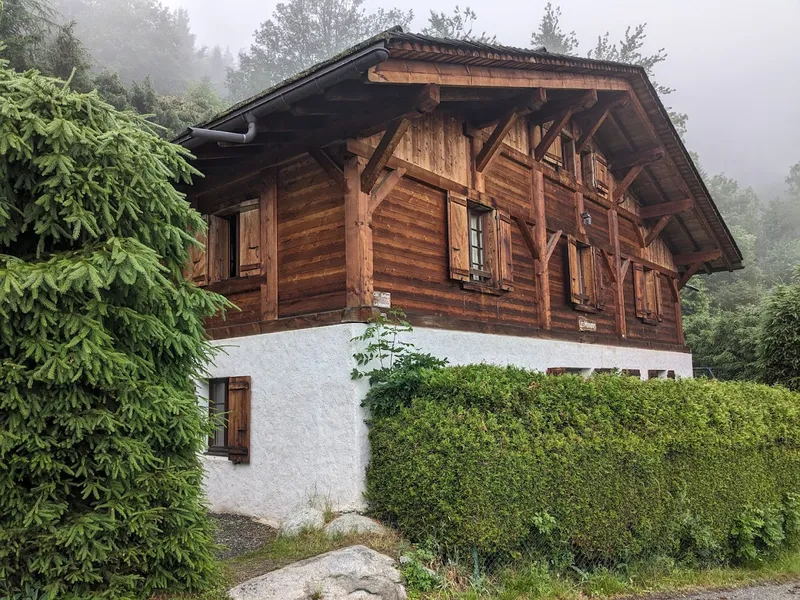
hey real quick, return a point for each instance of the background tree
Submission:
(457, 26)
(550, 34)
(24, 29)
(302, 33)
(101, 339)
(780, 340)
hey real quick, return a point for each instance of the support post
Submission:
(540, 239)
(268, 210)
(358, 236)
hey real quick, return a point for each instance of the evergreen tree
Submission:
(101, 339)
(457, 26)
(780, 351)
(302, 33)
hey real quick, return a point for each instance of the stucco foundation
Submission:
(307, 432)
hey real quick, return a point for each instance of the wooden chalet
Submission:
(515, 194)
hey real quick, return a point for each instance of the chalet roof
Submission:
(673, 179)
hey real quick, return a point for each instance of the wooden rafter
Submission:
(594, 118)
(639, 235)
(622, 187)
(384, 189)
(327, 164)
(693, 257)
(656, 231)
(666, 208)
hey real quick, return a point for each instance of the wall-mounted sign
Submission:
(381, 300)
(585, 324)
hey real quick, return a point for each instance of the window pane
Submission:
(216, 406)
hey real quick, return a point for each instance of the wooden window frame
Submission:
(496, 276)
(236, 422)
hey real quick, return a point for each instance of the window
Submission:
(217, 412)
(481, 252)
(568, 152)
(229, 409)
(232, 246)
(477, 246)
(583, 276)
(647, 292)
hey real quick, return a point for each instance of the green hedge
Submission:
(602, 470)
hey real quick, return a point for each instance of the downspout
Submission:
(227, 137)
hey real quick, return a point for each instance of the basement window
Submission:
(217, 412)
(229, 412)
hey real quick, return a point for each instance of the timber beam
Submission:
(656, 231)
(492, 145)
(636, 159)
(689, 273)
(324, 160)
(384, 189)
(593, 119)
(694, 257)
(665, 208)
(523, 104)
(622, 187)
(427, 100)
(554, 109)
(561, 113)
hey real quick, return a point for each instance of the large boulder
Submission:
(305, 517)
(353, 523)
(354, 573)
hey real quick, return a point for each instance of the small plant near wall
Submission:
(391, 364)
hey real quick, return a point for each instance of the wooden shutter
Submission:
(640, 291)
(239, 420)
(659, 305)
(588, 170)
(219, 249)
(574, 271)
(458, 236)
(197, 269)
(505, 251)
(249, 242)
(601, 172)
(589, 267)
(598, 289)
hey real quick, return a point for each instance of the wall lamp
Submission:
(586, 217)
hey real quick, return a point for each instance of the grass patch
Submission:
(534, 582)
(284, 551)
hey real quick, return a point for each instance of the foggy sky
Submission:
(735, 64)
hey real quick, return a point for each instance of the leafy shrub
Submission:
(599, 471)
(100, 339)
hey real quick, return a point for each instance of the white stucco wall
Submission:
(307, 432)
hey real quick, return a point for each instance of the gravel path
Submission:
(785, 591)
(240, 535)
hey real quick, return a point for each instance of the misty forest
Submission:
(163, 73)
